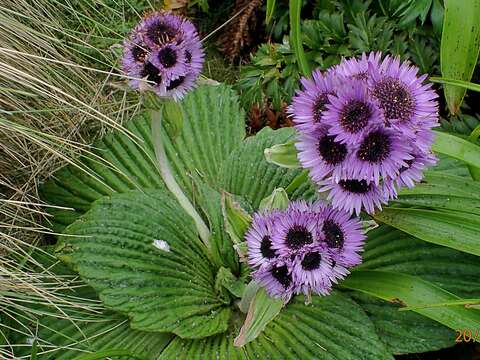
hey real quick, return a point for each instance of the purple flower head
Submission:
(322, 154)
(308, 104)
(276, 278)
(359, 69)
(312, 270)
(413, 172)
(351, 113)
(303, 249)
(294, 230)
(170, 61)
(160, 28)
(259, 239)
(405, 102)
(354, 194)
(343, 236)
(164, 54)
(380, 154)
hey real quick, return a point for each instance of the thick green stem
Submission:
(169, 179)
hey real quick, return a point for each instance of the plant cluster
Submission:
(409, 29)
(180, 237)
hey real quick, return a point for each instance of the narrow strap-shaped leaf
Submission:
(459, 47)
(453, 229)
(270, 10)
(409, 290)
(464, 84)
(295, 7)
(457, 148)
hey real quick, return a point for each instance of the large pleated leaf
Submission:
(247, 173)
(332, 327)
(140, 252)
(62, 339)
(392, 250)
(213, 125)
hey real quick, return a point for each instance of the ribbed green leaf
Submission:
(61, 339)
(247, 173)
(140, 252)
(460, 46)
(213, 124)
(332, 327)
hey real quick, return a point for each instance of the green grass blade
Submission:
(270, 10)
(459, 47)
(296, 36)
(460, 83)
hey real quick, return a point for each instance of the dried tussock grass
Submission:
(57, 94)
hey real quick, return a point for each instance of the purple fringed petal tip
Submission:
(351, 195)
(359, 69)
(259, 240)
(309, 103)
(164, 54)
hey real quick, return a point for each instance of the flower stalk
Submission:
(169, 179)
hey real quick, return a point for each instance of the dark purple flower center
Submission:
(395, 99)
(355, 186)
(354, 116)
(175, 83)
(167, 57)
(311, 261)
(266, 248)
(319, 106)
(297, 236)
(139, 53)
(333, 234)
(331, 152)
(152, 73)
(375, 147)
(160, 33)
(281, 274)
(188, 57)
